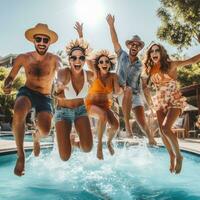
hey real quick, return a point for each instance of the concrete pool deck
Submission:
(188, 144)
(10, 146)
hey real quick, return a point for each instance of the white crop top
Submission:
(70, 93)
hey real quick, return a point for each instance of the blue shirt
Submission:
(129, 73)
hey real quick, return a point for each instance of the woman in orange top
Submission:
(168, 101)
(98, 101)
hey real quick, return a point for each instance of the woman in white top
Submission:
(71, 89)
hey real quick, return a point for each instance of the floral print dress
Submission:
(168, 94)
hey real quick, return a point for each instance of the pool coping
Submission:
(185, 146)
(28, 146)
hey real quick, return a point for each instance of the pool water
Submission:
(27, 138)
(134, 172)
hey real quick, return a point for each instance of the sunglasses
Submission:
(135, 45)
(74, 58)
(45, 40)
(155, 50)
(104, 61)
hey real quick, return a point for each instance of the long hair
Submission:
(164, 59)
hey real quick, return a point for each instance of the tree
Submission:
(7, 101)
(189, 75)
(180, 22)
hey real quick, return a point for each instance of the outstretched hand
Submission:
(110, 19)
(7, 88)
(59, 87)
(79, 28)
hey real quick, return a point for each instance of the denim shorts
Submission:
(69, 114)
(39, 101)
(136, 100)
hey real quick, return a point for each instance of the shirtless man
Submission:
(40, 67)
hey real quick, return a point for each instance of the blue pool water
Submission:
(27, 138)
(135, 173)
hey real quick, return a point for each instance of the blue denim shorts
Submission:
(69, 114)
(136, 100)
(39, 101)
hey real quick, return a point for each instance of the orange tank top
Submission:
(98, 87)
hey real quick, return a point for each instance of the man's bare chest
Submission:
(39, 69)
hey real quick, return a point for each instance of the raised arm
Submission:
(182, 63)
(79, 28)
(13, 73)
(111, 19)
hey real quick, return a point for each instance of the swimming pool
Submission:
(132, 173)
(27, 138)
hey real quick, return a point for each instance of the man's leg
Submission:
(21, 108)
(43, 129)
(126, 109)
(140, 118)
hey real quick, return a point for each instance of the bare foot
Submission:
(36, 143)
(178, 164)
(19, 167)
(129, 132)
(152, 142)
(172, 163)
(99, 152)
(110, 148)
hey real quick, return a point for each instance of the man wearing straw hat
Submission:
(40, 67)
(129, 76)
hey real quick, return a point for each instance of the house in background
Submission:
(8, 60)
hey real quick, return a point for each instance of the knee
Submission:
(65, 156)
(19, 114)
(103, 117)
(44, 130)
(87, 148)
(44, 133)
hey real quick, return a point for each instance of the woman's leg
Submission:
(63, 129)
(161, 117)
(83, 128)
(114, 125)
(102, 119)
(171, 117)
(141, 121)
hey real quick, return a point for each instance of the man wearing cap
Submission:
(129, 70)
(40, 67)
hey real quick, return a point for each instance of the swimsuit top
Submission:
(70, 93)
(98, 87)
(157, 77)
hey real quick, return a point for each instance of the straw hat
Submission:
(111, 56)
(135, 38)
(78, 44)
(41, 29)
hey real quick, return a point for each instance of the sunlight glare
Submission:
(89, 11)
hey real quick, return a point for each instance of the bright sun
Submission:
(89, 11)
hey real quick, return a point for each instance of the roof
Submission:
(190, 90)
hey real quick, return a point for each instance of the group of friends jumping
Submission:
(80, 94)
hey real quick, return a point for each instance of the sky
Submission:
(131, 17)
